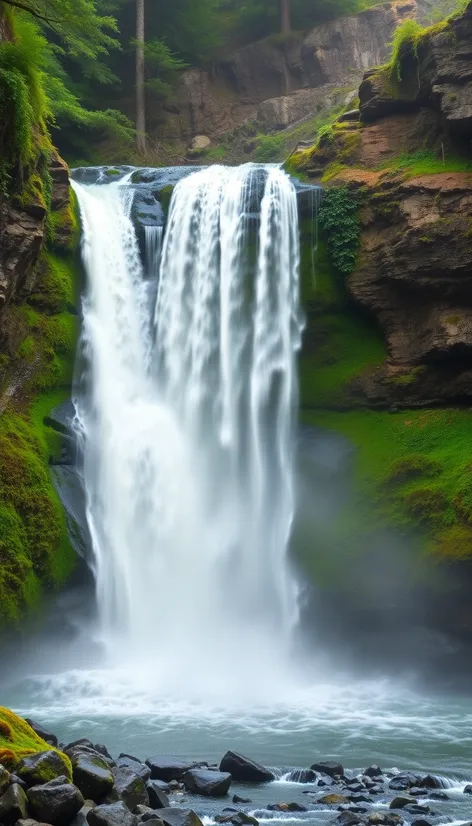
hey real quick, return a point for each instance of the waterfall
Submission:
(187, 413)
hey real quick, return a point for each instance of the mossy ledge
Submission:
(38, 332)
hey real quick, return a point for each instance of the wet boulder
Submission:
(207, 783)
(57, 802)
(143, 771)
(129, 788)
(92, 775)
(114, 814)
(302, 776)
(384, 819)
(329, 767)
(169, 768)
(13, 805)
(40, 768)
(333, 799)
(45, 735)
(156, 795)
(286, 807)
(373, 771)
(237, 799)
(430, 782)
(178, 817)
(403, 781)
(400, 802)
(244, 770)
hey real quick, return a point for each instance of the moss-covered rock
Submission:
(18, 741)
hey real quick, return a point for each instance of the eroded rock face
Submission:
(281, 83)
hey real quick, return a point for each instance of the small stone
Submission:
(373, 771)
(13, 805)
(333, 799)
(401, 802)
(403, 781)
(237, 799)
(439, 796)
(115, 814)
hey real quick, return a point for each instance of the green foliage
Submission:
(165, 67)
(426, 162)
(395, 454)
(339, 223)
(405, 42)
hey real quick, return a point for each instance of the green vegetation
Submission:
(339, 223)
(425, 162)
(410, 467)
(18, 740)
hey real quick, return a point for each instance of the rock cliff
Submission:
(280, 82)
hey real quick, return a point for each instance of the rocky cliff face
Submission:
(279, 83)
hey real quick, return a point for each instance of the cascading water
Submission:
(188, 422)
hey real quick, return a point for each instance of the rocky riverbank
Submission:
(43, 781)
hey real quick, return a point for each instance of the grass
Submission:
(18, 740)
(411, 468)
(425, 162)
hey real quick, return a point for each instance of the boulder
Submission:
(333, 799)
(143, 771)
(384, 819)
(92, 775)
(15, 779)
(403, 781)
(129, 787)
(237, 799)
(200, 142)
(468, 789)
(244, 770)
(102, 750)
(169, 768)
(38, 729)
(302, 776)
(13, 805)
(157, 797)
(401, 802)
(40, 768)
(114, 814)
(373, 771)
(56, 802)
(286, 807)
(329, 767)
(5, 779)
(430, 782)
(207, 783)
(178, 817)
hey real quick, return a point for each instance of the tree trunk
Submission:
(140, 89)
(285, 16)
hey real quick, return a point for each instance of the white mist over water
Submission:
(188, 422)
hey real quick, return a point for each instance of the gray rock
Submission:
(143, 771)
(45, 735)
(140, 810)
(13, 805)
(244, 770)
(430, 782)
(373, 771)
(332, 769)
(302, 776)
(15, 779)
(401, 802)
(207, 783)
(178, 817)
(130, 788)
(115, 814)
(92, 775)
(5, 779)
(42, 767)
(56, 803)
(157, 797)
(384, 819)
(404, 780)
(169, 768)
(237, 799)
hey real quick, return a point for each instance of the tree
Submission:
(140, 79)
(285, 23)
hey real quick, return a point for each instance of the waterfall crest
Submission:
(188, 412)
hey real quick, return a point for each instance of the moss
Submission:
(394, 452)
(18, 740)
(425, 162)
(56, 282)
(408, 377)
(64, 226)
(165, 196)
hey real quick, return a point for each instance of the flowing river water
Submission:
(186, 416)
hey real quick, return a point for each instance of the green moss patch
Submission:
(410, 467)
(18, 740)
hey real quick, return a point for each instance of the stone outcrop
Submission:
(280, 83)
(414, 270)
